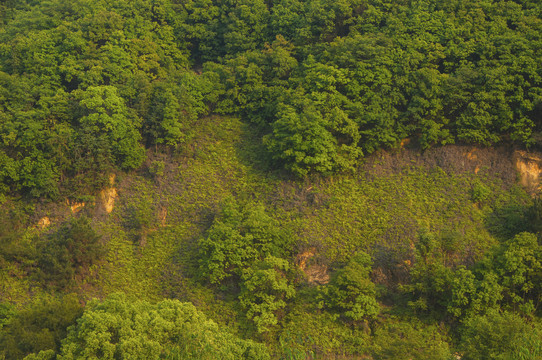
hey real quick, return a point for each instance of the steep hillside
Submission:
(150, 224)
(286, 179)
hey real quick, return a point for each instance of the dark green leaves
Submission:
(68, 252)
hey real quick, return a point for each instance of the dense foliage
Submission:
(244, 243)
(85, 86)
(193, 104)
(336, 80)
(351, 292)
(68, 252)
(41, 326)
(120, 328)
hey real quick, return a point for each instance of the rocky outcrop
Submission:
(106, 197)
(529, 168)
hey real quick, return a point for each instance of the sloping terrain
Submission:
(150, 223)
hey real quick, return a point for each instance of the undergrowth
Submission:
(150, 238)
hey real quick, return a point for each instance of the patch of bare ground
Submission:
(529, 166)
(107, 197)
(44, 222)
(317, 274)
(506, 163)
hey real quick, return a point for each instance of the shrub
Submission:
(66, 252)
(240, 235)
(351, 292)
(263, 291)
(41, 325)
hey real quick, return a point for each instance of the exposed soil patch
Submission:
(107, 197)
(162, 216)
(529, 166)
(44, 222)
(506, 163)
(75, 206)
(316, 274)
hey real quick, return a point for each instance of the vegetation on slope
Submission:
(434, 250)
(204, 110)
(85, 85)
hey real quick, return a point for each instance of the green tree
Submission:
(243, 25)
(535, 215)
(70, 250)
(473, 293)
(520, 268)
(351, 292)
(264, 290)
(104, 111)
(136, 329)
(76, 80)
(300, 140)
(240, 236)
(430, 277)
(173, 108)
(14, 247)
(447, 291)
(39, 326)
(500, 335)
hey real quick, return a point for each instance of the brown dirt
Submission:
(316, 274)
(106, 197)
(162, 216)
(44, 222)
(529, 166)
(75, 206)
(506, 163)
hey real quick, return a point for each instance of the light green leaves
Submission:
(243, 245)
(104, 112)
(121, 327)
(264, 290)
(239, 236)
(351, 292)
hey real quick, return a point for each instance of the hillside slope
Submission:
(150, 224)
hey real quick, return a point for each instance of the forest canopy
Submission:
(86, 86)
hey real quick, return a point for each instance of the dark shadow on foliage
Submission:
(253, 153)
(67, 252)
(508, 220)
(39, 327)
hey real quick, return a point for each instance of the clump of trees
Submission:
(500, 335)
(245, 252)
(241, 235)
(135, 329)
(246, 246)
(351, 293)
(85, 86)
(330, 88)
(40, 326)
(67, 252)
(90, 86)
(505, 279)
